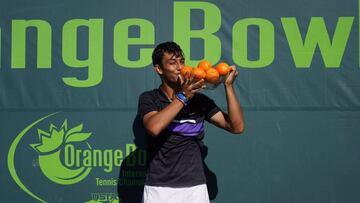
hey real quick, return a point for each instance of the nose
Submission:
(179, 66)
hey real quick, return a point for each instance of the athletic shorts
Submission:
(194, 194)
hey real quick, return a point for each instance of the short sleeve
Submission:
(146, 104)
(208, 106)
(212, 109)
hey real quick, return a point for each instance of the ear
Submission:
(158, 69)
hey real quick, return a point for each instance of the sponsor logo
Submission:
(61, 152)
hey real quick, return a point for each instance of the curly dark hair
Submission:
(168, 47)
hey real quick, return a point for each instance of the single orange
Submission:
(205, 65)
(198, 73)
(186, 70)
(212, 75)
(223, 68)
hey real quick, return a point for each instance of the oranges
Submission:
(205, 65)
(186, 70)
(223, 68)
(212, 75)
(205, 70)
(199, 73)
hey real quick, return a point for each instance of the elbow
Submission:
(153, 132)
(238, 130)
(152, 129)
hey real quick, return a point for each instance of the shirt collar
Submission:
(162, 95)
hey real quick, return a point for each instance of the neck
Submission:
(169, 90)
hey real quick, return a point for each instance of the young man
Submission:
(173, 116)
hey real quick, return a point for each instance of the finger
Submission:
(188, 75)
(198, 83)
(199, 87)
(196, 90)
(191, 78)
(232, 73)
(187, 79)
(181, 79)
(233, 76)
(227, 76)
(235, 73)
(195, 82)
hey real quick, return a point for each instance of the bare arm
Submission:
(156, 121)
(234, 120)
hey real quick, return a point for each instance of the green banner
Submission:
(71, 73)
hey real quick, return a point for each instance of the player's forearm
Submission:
(234, 110)
(159, 121)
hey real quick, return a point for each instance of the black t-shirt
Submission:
(174, 156)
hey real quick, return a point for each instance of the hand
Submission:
(190, 86)
(230, 78)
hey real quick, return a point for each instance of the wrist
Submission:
(182, 97)
(228, 85)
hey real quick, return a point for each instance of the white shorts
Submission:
(194, 194)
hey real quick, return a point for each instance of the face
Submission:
(171, 66)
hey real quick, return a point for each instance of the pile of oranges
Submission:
(206, 71)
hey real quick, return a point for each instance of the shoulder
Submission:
(200, 97)
(202, 101)
(205, 104)
(148, 101)
(148, 94)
